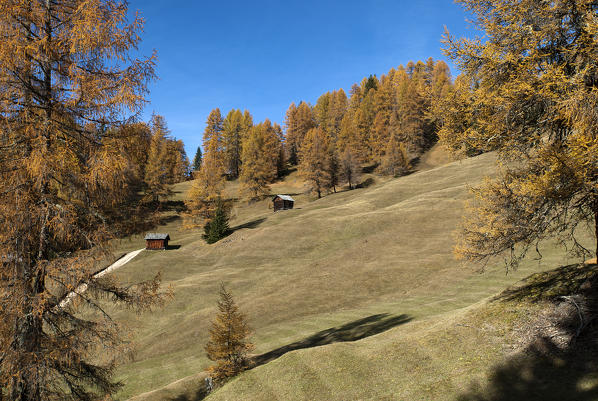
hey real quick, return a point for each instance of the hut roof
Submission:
(285, 197)
(156, 236)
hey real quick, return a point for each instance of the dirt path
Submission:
(83, 287)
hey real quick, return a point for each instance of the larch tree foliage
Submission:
(336, 112)
(209, 182)
(281, 158)
(135, 142)
(395, 161)
(232, 137)
(314, 155)
(229, 343)
(299, 120)
(64, 67)
(157, 170)
(259, 159)
(536, 103)
(349, 168)
(458, 117)
(177, 161)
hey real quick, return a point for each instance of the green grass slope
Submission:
(371, 262)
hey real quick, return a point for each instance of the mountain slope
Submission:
(382, 252)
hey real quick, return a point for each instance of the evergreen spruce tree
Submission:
(229, 344)
(217, 227)
(197, 160)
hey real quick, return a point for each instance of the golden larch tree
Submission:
(314, 155)
(66, 79)
(232, 136)
(395, 161)
(261, 150)
(349, 168)
(158, 163)
(209, 182)
(535, 102)
(229, 344)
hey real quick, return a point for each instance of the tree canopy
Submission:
(534, 97)
(67, 81)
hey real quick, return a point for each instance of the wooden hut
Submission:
(283, 202)
(156, 241)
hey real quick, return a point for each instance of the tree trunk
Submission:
(596, 224)
(28, 328)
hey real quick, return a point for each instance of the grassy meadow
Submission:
(352, 296)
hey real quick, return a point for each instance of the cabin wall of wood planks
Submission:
(156, 244)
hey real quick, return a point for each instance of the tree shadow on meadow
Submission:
(550, 285)
(544, 372)
(549, 368)
(198, 395)
(352, 331)
(250, 224)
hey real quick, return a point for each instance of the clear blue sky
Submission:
(262, 55)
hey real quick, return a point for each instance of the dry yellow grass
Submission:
(382, 253)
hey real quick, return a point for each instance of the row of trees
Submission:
(166, 161)
(402, 103)
(386, 122)
(234, 147)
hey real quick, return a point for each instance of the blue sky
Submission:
(262, 55)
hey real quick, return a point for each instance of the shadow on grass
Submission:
(197, 396)
(250, 224)
(369, 168)
(163, 220)
(545, 370)
(352, 331)
(366, 183)
(552, 284)
(173, 205)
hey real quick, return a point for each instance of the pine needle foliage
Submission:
(217, 227)
(229, 344)
(197, 160)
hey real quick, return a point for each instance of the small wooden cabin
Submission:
(283, 202)
(156, 241)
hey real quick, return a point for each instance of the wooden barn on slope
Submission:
(283, 202)
(156, 241)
